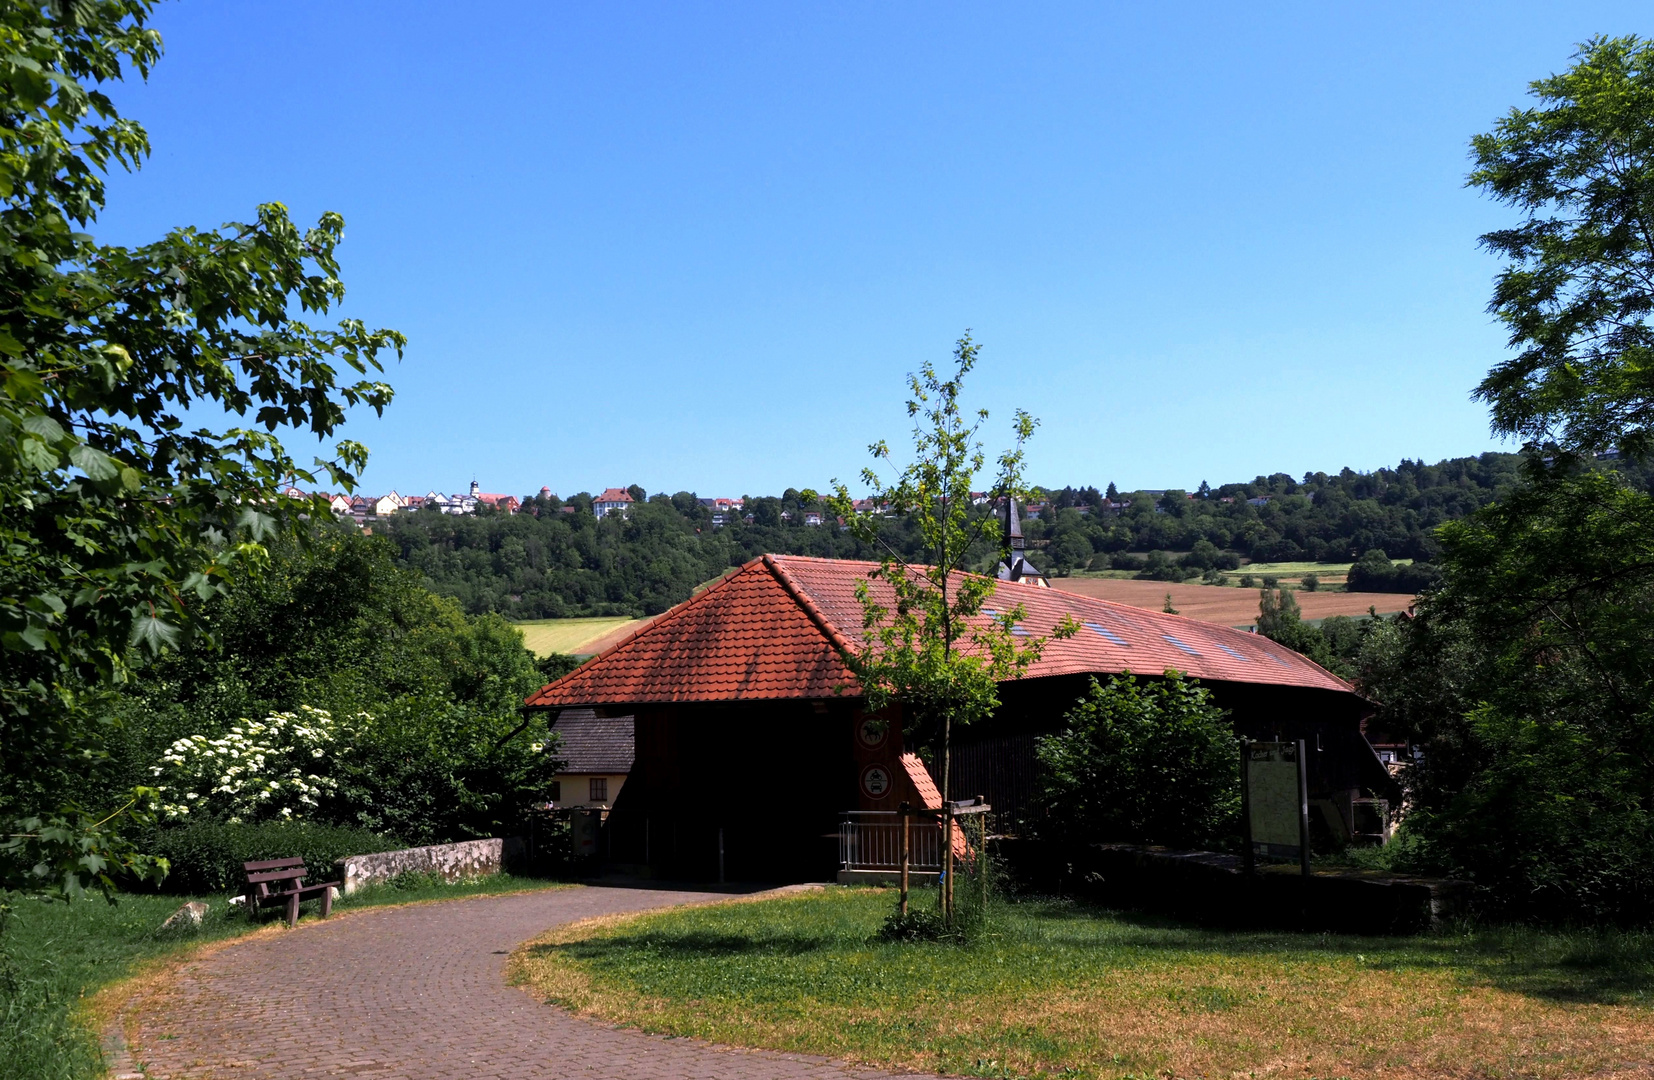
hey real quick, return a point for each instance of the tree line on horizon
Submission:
(543, 563)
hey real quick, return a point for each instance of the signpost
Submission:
(1275, 802)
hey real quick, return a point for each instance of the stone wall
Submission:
(455, 862)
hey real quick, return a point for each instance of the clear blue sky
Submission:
(699, 246)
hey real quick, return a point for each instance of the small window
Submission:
(600, 789)
(557, 791)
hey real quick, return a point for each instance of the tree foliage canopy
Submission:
(118, 518)
(1526, 677)
(1578, 288)
(926, 643)
(430, 746)
(1144, 762)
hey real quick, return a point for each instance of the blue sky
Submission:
(699, 246)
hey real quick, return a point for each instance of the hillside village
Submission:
(617, 502)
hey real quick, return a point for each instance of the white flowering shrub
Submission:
(277, 768)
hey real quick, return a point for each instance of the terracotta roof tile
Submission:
(1113, 637)
(919, 776)
(743, 639)
(776, 629)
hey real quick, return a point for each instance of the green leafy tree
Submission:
(1281, 620)
(427, 740)
(1525, 674)
(1070, 552)
(1578, 287)
(927, 644)
(117, 518)
(1141, 761)
(1526, 677)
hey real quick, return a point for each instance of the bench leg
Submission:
(293, 910)
(327, 902)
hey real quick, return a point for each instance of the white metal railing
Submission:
(872, 840)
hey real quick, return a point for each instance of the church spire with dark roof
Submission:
(1015, 566)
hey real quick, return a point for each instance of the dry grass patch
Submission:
(1227, 605)
(1064, 991)
(580, 636)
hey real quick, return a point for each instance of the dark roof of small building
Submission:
(594, 744)
(781, 625)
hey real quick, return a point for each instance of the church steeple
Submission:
(1015, 566)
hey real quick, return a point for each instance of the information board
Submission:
(1276, 802)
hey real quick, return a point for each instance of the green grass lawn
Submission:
(546, 636)
(55, 957)
(1061, 990)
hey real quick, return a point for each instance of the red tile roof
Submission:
(930, 797)
(619, 495)
(744, 638)
(777, 628)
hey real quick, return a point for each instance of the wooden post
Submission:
(902, 906)
(1247, 862)
(982, 863)
(720, 854)
(947, 862)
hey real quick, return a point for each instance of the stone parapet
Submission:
(454, 862)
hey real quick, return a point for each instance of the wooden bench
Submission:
(281, 881)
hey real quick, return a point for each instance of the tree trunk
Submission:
(947, 823)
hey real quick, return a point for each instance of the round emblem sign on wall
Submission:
(871, 731)
(875, 781)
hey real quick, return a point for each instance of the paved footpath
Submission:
(420, 991)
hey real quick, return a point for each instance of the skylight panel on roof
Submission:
(1179, 644)
(1277, 659)
(1107, 633)
(1019, 630)
(1232, 652)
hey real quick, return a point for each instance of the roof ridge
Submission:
(671, 614)
(834, 635)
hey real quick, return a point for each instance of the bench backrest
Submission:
(272, 864)
(262, 872)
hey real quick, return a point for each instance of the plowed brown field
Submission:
(1226, 604)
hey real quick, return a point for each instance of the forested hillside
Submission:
(555, 560)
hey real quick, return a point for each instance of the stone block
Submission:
(190, 914)
(454, 862)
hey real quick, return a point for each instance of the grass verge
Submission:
(1060, 990)
(56, 958)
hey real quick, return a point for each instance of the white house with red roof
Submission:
(509, 503)
(613, 501)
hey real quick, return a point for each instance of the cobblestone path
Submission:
(420, 991)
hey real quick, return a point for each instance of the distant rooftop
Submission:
(594, 744)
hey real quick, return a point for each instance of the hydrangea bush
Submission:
(274, 769)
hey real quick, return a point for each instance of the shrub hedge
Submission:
(206, 856)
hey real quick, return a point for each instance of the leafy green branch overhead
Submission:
(120, 513)
(1578, 287)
